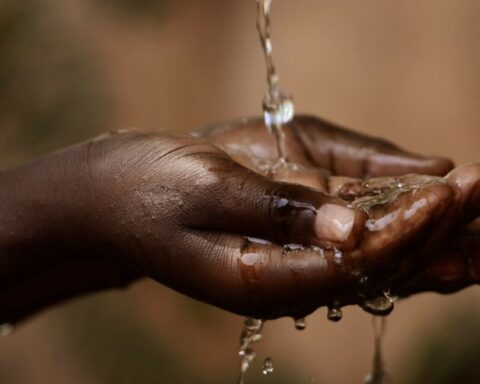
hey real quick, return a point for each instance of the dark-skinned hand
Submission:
(444, 257)
(184, 212)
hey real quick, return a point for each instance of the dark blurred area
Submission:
(71, 69)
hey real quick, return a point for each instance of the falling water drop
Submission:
(381, 305)
(334, 313)
(6, 329)
(300, 324)
(267, 366)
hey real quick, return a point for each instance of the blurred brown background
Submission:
(405, 70)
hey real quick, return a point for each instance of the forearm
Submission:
(50, 247)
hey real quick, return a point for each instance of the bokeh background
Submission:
(70, 69)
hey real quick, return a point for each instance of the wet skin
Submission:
(188, 212)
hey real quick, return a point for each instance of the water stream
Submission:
(251, 333)
(278, 110)
(378, 375)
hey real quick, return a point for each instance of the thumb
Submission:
(253, 205)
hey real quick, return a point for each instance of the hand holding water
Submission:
(182, 211)
(444, 255)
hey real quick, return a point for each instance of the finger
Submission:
(399, 217)
(312, 141)
(352, 154)
(256, 278)
(253, 277)
(397, 208)
(465, 181)
(455, 267)
(254, 205)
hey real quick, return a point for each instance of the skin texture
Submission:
(189, 213)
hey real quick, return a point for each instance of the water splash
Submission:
(251, 333)
(379, 375)
(278, 108)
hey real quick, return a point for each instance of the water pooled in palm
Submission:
(379, 375)
(278, 108)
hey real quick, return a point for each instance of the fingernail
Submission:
(334, 223)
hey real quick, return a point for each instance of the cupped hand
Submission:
(439, 251)
(212, 217)
(455, 262)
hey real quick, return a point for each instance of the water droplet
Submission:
(256, 240)
(6, 329)
(250, 258)
(381, 305)
(278, 110)
(300, 324)
(363, 280)
(268, 46)
(317, 250)
(293, 247)
(253, 325)
(337, 256)
(267, 366)
(334, 313)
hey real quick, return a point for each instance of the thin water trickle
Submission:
(379, 375)
(267, 366)
(278, 108)
(251, 333)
